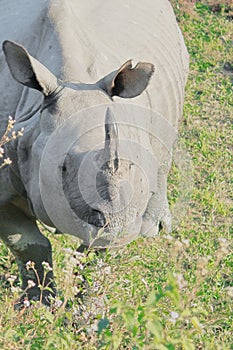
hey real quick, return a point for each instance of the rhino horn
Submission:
(111, 141)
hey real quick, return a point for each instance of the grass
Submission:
(170, 292)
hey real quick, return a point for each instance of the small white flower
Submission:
(31, 284)
(26, 303)
(79, 254)
(46, 266)
(30, 265)
(7, 161)
(80, 266)
(58, 302)
(107, 271)
(15, 289)
(11, 121)
(100, 263)
(11, 278)
(20, 132)
(174, 316)
(13, 135)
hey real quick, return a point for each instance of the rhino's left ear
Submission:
(27, 70)
(127, 82)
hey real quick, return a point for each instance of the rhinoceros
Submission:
(98, 87)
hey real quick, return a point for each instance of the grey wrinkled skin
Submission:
(98, 129)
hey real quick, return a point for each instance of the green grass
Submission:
(170, 292)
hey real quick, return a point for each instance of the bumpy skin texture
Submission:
(89, 43)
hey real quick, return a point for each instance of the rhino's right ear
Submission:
(27, 70)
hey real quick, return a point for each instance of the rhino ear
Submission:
(128, 81)
(27, 70)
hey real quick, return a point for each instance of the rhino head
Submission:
(80, 184)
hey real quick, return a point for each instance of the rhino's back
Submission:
(104, 34)
(84, 41)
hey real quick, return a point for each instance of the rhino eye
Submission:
(63, 168)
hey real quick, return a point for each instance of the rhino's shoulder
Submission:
(19, 18)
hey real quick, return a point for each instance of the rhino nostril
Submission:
(96, 218)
